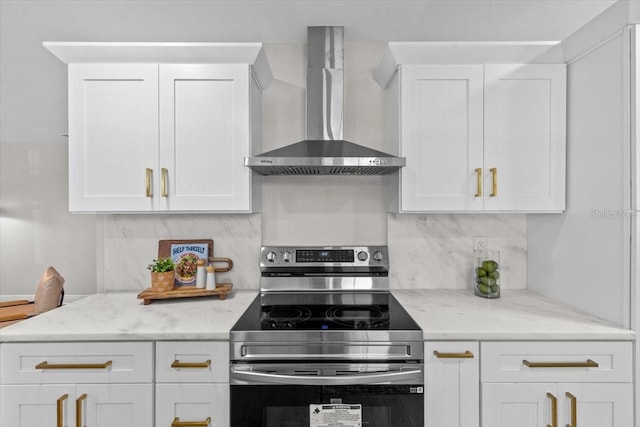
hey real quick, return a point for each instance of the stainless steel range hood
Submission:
(325, 152)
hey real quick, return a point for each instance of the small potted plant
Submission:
(162, 274)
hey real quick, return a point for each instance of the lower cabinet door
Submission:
(114, 405)
(452, 384)
(596, 405)
(37, 405)
(100, 405)
(553, 404)
(191, 403)
(519, 404)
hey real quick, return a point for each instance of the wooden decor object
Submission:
(221, 290)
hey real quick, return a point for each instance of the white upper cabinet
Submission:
(477, 137)
(524, 137)
(163, 127)
(441, 128)
(113, 136)
(204, 137)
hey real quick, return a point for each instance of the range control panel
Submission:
(326, 256)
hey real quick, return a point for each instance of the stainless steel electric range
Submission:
(326, 343)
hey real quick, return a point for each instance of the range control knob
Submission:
(378, 256)
(286, 256)
(362, 256)
(271, 256)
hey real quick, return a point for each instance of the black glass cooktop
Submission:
(325, 311)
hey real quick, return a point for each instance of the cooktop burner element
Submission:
(359, 317)
(283, 317)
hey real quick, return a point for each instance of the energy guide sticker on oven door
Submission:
(340, 415)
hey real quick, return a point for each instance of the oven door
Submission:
(319, 395)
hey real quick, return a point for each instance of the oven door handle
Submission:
(379, 377)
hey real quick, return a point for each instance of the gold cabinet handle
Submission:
(554, 410)
(494, 182)
(60, 410)
(466, 355)
(574, 410)
(479, 182)
(163, 182)
(179, 364)
(149, 181)
(79, 403)
(588, 364)
(177, 423)
(46, 365)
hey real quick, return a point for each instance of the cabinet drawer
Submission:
(192, 403)
(76, 363)
(556, 361)
(192, 361)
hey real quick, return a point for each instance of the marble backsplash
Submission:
(435, 251)
(428, 251)
(131, 242)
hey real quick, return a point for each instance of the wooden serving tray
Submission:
(222, 289)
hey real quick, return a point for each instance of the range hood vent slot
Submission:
(324, 152)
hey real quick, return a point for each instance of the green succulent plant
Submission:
(162, 265)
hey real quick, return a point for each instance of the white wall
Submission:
(104, 252)
(582, 256)
(36, 229)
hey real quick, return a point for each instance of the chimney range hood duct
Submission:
(325, 152)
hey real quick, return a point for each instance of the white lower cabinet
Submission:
(467, 384)
(541, 384)
(452, 384)
(192, 383)
(104, 405)
(192, 404)
(76, 384)
(549, 404)
(111, 384)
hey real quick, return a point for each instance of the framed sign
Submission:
(185, 254)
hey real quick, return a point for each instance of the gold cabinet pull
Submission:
(79, 403)
(149, 181)
(60, 410)
(46, 365)
(588, 364)
(163, 182)
(494, 182)
(554, 410)
(479, 182)
(179, 364)
(574, 410)
(177, 423)
(466, 355)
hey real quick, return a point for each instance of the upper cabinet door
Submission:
(113, 134)
(524, 145)
(204, 137)
(441, 134)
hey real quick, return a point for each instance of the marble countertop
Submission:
(123, 317)
(516, 315)
(442, 315)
